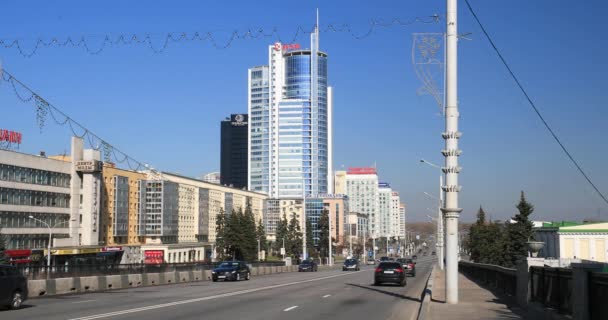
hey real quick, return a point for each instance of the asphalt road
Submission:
(326, 294)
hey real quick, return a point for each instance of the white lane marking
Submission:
(223, 295)
(327, 295)
(290, 308)
(83, 301)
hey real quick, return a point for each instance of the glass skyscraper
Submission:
(290, 108)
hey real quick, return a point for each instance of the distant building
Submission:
(233, 153)
(362, 192)
(212, 177)
(402, 220)
(572, 240)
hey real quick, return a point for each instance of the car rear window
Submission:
(389, 265)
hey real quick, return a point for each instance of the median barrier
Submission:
(169, 277)
(198, 275)
(64, 285)
(151, 279)
(134, 280)
(37, 288)
(207, 274)
(87, 284)
(112, 282)
(273, 269)
(254, 271)
(184, 276)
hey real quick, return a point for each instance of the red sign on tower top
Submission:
(362, 170)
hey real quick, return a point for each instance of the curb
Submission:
(426, 296)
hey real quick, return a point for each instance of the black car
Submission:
(415, 257)
(307, 265)
(13, 287)
(231, 270)
(350, 264)
(408, 265)
(386, 259)
(390, 272)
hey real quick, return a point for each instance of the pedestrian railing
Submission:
(36, 272)
(598, 295)
(552, 287)
(500, 278)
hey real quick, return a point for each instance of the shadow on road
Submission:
(396, 295)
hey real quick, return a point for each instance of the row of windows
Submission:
(10, 219)
(34, 198)
(34, 176)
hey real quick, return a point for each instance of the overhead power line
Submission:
(536, 110)
(95, 47)
(45, 108)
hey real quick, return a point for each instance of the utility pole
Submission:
(329, 240)
(440, 233)
(451, 153)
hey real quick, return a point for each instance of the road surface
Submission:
(326, 294)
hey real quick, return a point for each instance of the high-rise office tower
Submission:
(233, 162)
(290, 122)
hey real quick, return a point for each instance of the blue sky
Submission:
(165, 108)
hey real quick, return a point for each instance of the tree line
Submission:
(501, 243)
(290, 234)
(237, 235)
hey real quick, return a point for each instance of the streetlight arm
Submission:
(430, 164)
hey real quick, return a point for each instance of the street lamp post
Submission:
(440, 232)
(48, 261)
(259, 250)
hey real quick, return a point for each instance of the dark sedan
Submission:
(409, 265)
(390, 272)
(307, 265)
(231, 270)
(350, 264)
(13, 287)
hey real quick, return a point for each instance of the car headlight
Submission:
(233, 271)
(212, 271)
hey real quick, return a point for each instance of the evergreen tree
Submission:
(324, 234)
(281, 234)
(476, 235)
(250, 245)
(295, 237)
(310, 242)
(3, 244)
(261, 234)
(518, 233)
(220, 230)
(234, 235)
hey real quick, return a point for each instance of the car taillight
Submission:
(378, 270)
(411, 266)
(399, 270)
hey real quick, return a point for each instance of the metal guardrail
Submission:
(500, 278)
(598, 295)
(38, 272)
(552, 287)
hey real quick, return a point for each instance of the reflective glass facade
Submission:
(259, 129)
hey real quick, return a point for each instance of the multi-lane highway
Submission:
(326, 294)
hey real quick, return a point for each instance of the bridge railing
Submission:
(500, 278)
(552, 287)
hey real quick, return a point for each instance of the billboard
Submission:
(154, 256)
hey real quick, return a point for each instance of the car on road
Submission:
(13, 287)
(350, 264)
(385, 259)
(415, 257)
(408, 265)
(231, 270)
(307, 266)
(390, 272)
(371, 262)
(433, 253)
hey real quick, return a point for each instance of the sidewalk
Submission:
(475, 302)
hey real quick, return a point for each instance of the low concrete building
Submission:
(571, 240)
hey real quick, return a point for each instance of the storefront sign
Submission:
(10, 136)
(109, 249)
(88, 166)
(332, 196)
(154, 256)
(285, 47)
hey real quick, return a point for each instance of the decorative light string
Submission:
(173, 37)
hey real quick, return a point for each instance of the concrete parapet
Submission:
(273, 269)
(89, 284)
(207, 274)
(37, 288)
(197, 275)
(169, 277)
(113, 282)
(254, 271)
(135, 280)
(184, 276)
(151, 279)
(65, 285)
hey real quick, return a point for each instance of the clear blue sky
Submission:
(165, 109)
